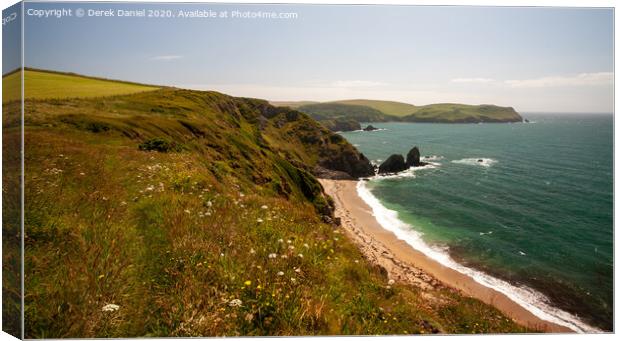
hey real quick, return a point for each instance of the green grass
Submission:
(53, 85)
(175, 238)
(387, 107)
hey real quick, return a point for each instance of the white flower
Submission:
(221, 255)
(209, 203)
(288, 241)
(291, 247)
(284, 256)
(298, 270)
(110, 307)
(273, 255)
(306, 246)
(264, 207)
(235, 303)
(252, 251)
(280, 240)
(187, 211)
(391, 282)
(356, 261)
(293, 280)
(259, 220)
(300, 255)
(280, 273)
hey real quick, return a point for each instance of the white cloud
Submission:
(471, 80)
(356, 84)
(166, 58)
(582, 79)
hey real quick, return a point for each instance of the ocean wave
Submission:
(431, 158)
(408, 173)
(476, 161)
(530, 299)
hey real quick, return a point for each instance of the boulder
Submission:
(370, 128)
(413, 157)
(394, 164)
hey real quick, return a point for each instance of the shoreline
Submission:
(406, 264)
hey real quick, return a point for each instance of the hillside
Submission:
(387, 107)
(348, 114)
(190, 213)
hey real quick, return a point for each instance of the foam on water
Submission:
(476, 161)
(408, 173)
(530, 299)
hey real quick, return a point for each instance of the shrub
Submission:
(159, 144)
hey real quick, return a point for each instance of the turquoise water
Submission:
(536, 212)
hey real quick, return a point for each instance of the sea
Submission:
(524, 208)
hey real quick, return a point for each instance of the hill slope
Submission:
(387, 107)
(188, 213)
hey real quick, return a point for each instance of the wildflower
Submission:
(357, 261)
(110, 307)
(293, 280)
(235, 303)
(187, 211)
(291, 247)
(391, 282)
(298, 270)
(273, 255)
(149, 188)
(288, 241)
(284, 256)
(259, 220)
(252, 251)
(258, 287)
(300, 255)
(264, 207)
(208, 213)
(306, 246)
(82, 173)
(209, 203)
(247, 283)
(221, 255)
(280, 273)
(336, 239)
(105, 198)
(123, 203)
(280, 240)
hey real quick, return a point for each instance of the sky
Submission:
(535, 59)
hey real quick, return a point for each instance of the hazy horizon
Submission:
(532, 59)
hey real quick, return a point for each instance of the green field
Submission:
(48, 85)
(191, 213)
(386, 107)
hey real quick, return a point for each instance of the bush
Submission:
(160, 144)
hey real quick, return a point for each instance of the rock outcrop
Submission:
(370, 128)
(342, 125)
(349, 161)
(394, 164)
(413, 157)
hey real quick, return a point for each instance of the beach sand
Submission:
(404, 263)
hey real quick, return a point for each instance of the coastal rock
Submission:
(413, 157)
(394, 164)
(341, 124)
(349, 161)
(370, 128)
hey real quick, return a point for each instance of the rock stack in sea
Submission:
(396, 162)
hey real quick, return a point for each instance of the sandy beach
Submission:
(404, 263)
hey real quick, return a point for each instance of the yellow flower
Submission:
(259, 287)
(248, 283)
